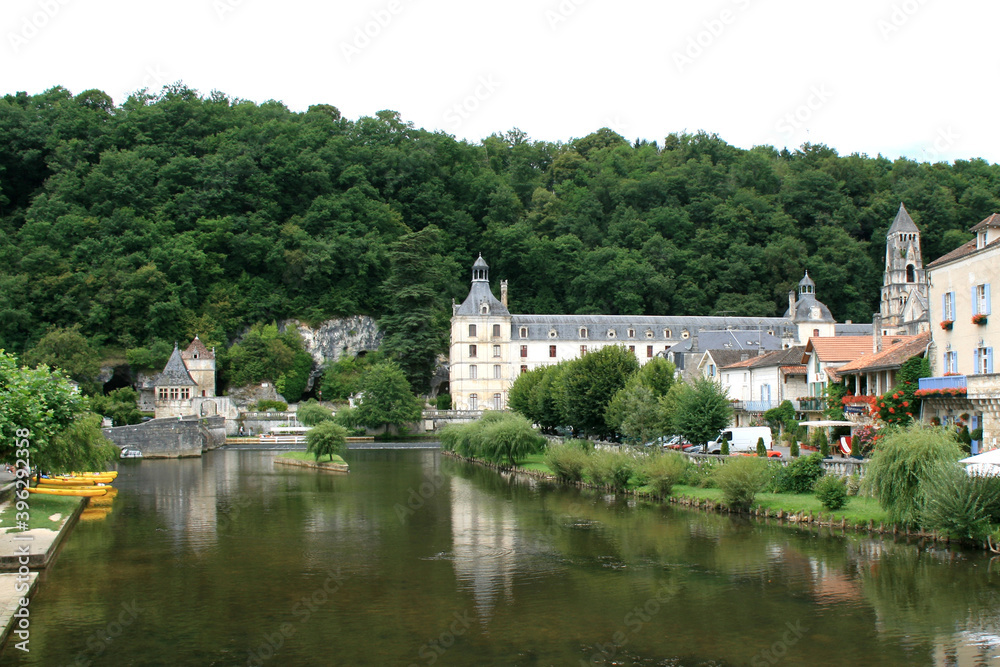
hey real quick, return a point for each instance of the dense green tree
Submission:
(312, 413)
(120, 405)
(41, 412)
(326, 439)
(701, 411)
(386, 398)
(590, 382)
(69, 351)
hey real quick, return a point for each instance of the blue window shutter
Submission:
(986, 306)
(951, 312)
(947, 358)
(975, 361)
(975, 305)
(989, 360)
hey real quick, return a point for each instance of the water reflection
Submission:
(221, 551)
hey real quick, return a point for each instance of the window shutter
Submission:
(975, 304)
(944, 306)
(951, 297)
(975, 361)
(947, 359)
(989, 360)
(986, 306)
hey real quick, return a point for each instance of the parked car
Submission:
(741, 439)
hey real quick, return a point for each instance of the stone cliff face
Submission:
(335, 338)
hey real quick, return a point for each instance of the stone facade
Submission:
(904, 303)
(171, 438)
(178, 393)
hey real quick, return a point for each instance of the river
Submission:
(417, 559)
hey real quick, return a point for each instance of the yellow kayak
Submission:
(85, 480)
(113, 474)
(95, 513)
(59, 481)
(86, 492)
(107, 498)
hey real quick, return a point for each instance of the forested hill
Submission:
(176, 213)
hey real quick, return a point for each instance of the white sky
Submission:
(897, 77)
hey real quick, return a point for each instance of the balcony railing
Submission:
(943, 382)
(759, 406)
(811, 405)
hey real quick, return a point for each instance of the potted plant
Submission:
(947, 325)
(979, 318)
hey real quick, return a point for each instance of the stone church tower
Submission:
(904, 288)
(480, 372)
(200, 363)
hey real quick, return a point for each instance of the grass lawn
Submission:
(535, 462)
(40, 508)
(306, 456)
(857, 510)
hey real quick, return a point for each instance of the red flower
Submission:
(882, 404)
(906, 404)
(892, 410)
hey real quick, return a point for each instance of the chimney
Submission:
(503, 293)
(791, 304)
(876, 333)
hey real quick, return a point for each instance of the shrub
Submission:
(566, 461)
(959, 505)
(761, 449)
(270, 406)
(326, 439)
(831, 491)
(724, 448)
(904, 461)
(443, 402)
(800, 475)
(855, 446)
(610, 467)
(662, 471)
(311, 413)
(507, 438)
(853, 484)
(702, 474)
(741, 479)
(820, 442)
(793, 449)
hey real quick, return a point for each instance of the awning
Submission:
(827, 422)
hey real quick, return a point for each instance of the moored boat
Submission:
(59, 481)
(91, 492)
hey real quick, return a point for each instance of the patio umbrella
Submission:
(986, 464)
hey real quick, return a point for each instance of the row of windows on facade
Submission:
(474, 372)
(982, 361)
(497, 401)
(173, 393)
(474, 350)
(980, 302)
(584, 332)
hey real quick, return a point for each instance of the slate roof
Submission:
(732, 358)
(197, 350)
(891, 357)
(852, 329)
(481, 294)
(175, 373)
(784, 358)
(802, 312)
(903, 222)
(567, 327)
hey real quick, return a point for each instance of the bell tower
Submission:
(903, 305)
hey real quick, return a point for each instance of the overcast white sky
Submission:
(915, 78)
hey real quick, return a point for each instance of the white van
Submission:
(741, 439)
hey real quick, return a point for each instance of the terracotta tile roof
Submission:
(969, 247)
(777, 358)
(992, 221)
(891, 357)
(794, 370)
(831, 349)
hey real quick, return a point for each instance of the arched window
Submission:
(911, 274)
(583, 332)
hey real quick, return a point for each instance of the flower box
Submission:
(979, 318)
(947, 325)
(951, 391)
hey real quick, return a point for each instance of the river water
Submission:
(417, 559)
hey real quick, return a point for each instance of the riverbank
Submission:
(860, 514)
(307, 460)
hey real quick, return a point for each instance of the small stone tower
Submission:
(904, 288)
(809, 315)
(200, 363)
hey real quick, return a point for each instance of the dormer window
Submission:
(666, 333)
(631, 333)
(524, 332)
(553, 333)
(485, 310)
(649, 333)
(611, 333)
(981, 240)
(583, 332)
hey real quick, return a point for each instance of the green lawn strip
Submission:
(858, 510)
(40, 508)
(536, 463)
(306, 456)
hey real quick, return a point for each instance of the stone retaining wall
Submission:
(171, 438)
